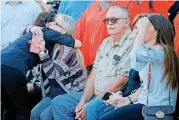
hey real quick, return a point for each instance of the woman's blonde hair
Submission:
(69, 26)
(68, 23)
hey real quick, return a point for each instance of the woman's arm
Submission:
(142, 27)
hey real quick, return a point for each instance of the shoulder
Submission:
(32, 5)
(130, 39)
(105, 42)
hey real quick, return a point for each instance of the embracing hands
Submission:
(37, 42)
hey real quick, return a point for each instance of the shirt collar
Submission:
(123, 38)
(19, 1)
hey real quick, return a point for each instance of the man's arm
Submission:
(88, 91)
(117, 85)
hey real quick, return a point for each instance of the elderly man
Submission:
(16, 16)
(110, 70)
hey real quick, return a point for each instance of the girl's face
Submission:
(135, 29)
(150, 34)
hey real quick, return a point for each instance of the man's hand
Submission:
(80, 110)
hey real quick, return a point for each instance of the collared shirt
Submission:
(91, 30)
(158, 94)
(73, 8)
(112, 60)
(176, 25)
(15, 18)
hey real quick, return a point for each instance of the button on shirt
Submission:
(15, 18)
(112, 60)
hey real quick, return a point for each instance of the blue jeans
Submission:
(128, 112)
(43, 110)
(63, 106)
(94, 108)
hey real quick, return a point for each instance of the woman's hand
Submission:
(36, 30)
(113, 100)
(78, 43)
(142, 28)
(37, 44)
(123, 102)
(143, 24)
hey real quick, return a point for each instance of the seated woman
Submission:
(64, 70)
(16, 60)
(153, 45)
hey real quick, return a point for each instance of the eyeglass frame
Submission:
(109, 19)
(56, 23)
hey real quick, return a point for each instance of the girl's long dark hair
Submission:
(165, 36)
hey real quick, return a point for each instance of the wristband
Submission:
(130, 99)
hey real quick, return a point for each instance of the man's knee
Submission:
(58, 102)
(46, 116)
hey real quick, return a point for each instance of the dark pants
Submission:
(33, 98)
(128, 112)
(177, 108)
(14, 91)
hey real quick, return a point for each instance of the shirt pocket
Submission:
(26, 17)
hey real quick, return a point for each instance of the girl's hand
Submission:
(36, 30)
(113, 100)
(123, 102)
(78, 44)
(143, 24)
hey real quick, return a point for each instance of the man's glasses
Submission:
(113, 20)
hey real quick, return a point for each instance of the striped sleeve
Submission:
(57, 67)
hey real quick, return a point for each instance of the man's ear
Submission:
(127, 24)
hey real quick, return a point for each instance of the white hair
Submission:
(124, 10)
(68, 23)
